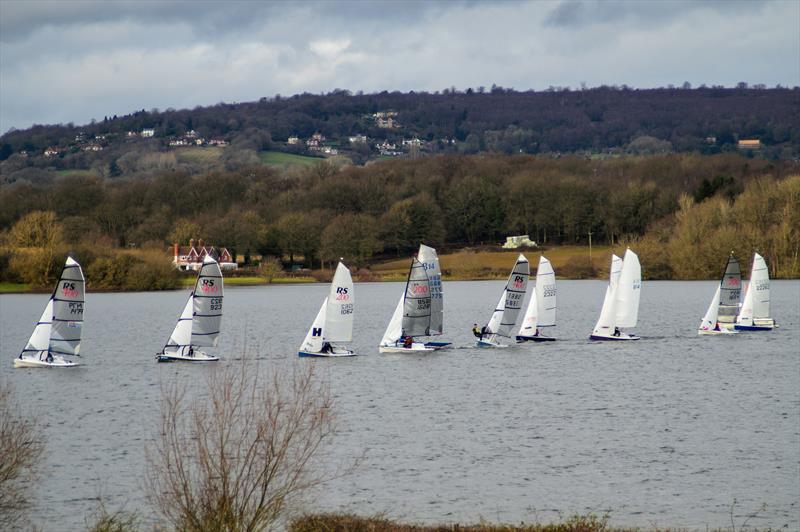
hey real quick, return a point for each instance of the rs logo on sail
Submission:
(207, 286)
(341, 293)
(68, 289)
(518, 281)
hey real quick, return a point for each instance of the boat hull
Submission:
(198, 356)
(489, 343)
(438, 345)
(415, 348)
(760, 324)
(337, 352)
(611, 338)
(58, 362)
(539, 338)
(711, 332)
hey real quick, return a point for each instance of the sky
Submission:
(76, 60)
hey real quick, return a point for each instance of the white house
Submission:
(148, 132)
(358, 139)
(519, 241)
(293, 140)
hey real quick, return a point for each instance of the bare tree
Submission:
(21, 447)
(232, 458)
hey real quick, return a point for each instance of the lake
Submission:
(669, 430)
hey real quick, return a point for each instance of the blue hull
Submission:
(752, 328)
(612, 338)
(438, 345)
(539, 338)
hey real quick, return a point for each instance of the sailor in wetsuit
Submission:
(476, 331)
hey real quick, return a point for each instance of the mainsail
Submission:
(756, 298)
(541, 311)
(430, 261)
(417, 302)
(504, 317)
(628, 290)
(199, 324)
(730, 292)
(67, 318)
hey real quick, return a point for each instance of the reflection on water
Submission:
(667, 430)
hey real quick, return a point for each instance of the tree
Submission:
(352, 236)
(411, 221)
(300, 234)
(235, 459)
(475, 210)
(38, 229)
(21, 449)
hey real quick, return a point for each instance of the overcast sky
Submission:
(71, 61)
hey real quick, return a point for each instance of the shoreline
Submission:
(22, 288)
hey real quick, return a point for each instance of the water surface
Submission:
(668, 430)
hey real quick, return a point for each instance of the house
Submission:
(199, 141)
(52, 151)
(358, 139)
(131, 134)
(749, 144)
(520, 241)
(191, 134)
(191, 257)
(217, 142)
(178, 142)
(327, 150)
(293, 141)
(412, 143)
(93, 147)
(386, 123)
(148, 132)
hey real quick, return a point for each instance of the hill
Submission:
(605, 121)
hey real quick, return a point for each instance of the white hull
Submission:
(490, 342)
(336, 352)
(712, 332)
(31, 362)
(416, 347)
(198, 356)
(612, 338)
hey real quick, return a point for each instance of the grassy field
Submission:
(278, 158)
(254, 280)
(14, 288)
(468, 264)
(199, 155)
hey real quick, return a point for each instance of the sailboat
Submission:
(504, 317)
(541, 311)
(334, 321)
(621, 304)
(730, 293)
(430, 261)
(58, 332)
(412, 315)
(709, 324)
(199, 323)
(754, 315)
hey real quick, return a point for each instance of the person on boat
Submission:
(191, 351)
(537, 332)
(484, 331)
(407, 341)
(717, 327)
(616, 331)
(49, 358)
(326, 348)
(476, 331)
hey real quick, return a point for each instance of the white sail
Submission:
(497, 315)
(417, 304)
(199, 323)
(338, 324)
(730, 292)
(208, 294)
(756, 298)
(430, 261)
(315, 335)
(40, 338)
(67, 318)
(181, 336)
(541, 311)
(504, 317)
(530, 322)
(628, 290)
(395, 328)
(709, 321)
(606, 322)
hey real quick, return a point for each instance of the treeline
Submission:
(706, 120)
(387, 208)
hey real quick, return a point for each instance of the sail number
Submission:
(762, 285)
(423, 304)
(549, 290)
(419, 289)
(347, 308)
(216, 303)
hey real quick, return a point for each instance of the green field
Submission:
(279, 158)
(14, 288)
(199, 155)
